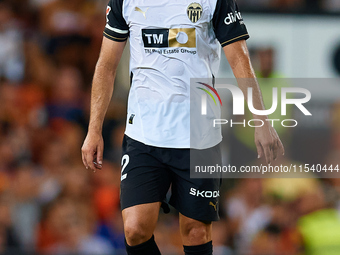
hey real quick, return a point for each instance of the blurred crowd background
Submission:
(50, 204)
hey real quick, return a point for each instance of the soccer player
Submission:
(170, 42)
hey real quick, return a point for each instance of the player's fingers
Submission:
(99, 156)
(89, 159)
(274, 150)
(281, 147)
(268, 153)
(259, 149)
(91, 165)
(84, 160)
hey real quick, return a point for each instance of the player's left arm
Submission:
(267, 140)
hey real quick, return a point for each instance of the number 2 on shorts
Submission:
(125, 162)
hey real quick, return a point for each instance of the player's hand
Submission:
(92, 151)
(268, 143)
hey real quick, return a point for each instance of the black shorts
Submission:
(148, 172)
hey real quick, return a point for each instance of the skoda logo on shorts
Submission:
(194, 12)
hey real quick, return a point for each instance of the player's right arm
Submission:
(115, 35)
(102, 88)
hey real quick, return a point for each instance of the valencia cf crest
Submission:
(194, 12)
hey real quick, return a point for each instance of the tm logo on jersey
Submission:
(164, 38)
(233, 17)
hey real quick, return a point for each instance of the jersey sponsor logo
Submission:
(137, 9)
(108, 9)
(155, 38)
(194, 12)
(173, 38)
(233, 17)
(204, 193)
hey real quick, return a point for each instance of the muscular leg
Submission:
(194, 232)
(196, 236)
(140, 222)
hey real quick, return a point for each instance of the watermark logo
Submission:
(204, 97)
(289, 96)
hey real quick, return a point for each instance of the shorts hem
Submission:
(203, 219)
(138, 203)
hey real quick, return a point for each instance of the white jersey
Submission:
(171, 41)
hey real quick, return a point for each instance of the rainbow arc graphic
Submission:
(209, 93)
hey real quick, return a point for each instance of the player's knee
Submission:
(196, 233)
(135, 234)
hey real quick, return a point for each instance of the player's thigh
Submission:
(194, 232)
(196, 198)
(140, 222)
